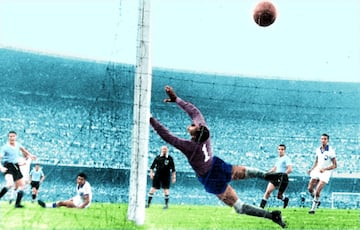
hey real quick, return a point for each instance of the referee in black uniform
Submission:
(162, 165)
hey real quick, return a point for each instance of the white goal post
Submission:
(345, 200)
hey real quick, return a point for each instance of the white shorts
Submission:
(324, 176)
(78, 201)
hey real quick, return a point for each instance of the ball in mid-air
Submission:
(264, 13)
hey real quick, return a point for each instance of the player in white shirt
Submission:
(321, 171)
(82, 199)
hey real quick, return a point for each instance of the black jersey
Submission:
(163, 165)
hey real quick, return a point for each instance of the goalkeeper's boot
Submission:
(276, 217)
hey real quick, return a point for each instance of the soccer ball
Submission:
(264, 13)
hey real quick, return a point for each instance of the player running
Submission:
(282, 165)
(9, 154)
(320, 173)
(211, 171)
(37, 176)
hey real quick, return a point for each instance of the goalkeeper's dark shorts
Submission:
(281, 182)
(217, 178)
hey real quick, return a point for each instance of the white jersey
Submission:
(325, 157)
(24, 164)
(81, 191)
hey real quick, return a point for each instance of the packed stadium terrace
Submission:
(78, 112)
(64, 133)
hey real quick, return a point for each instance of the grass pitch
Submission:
(114, 216)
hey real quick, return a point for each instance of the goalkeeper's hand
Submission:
(171, 93)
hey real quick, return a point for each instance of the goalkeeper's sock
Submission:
(263, 203)
(254, 172)
(242, 208)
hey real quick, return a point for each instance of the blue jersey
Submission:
(36, 174)
(282, 163)
(11, 153)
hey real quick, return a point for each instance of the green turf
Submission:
(114, 216)
(32, 216)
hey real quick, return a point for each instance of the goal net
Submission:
(345, 200)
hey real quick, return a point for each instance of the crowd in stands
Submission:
(71, 132)
(247, 118)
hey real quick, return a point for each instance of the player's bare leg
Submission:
(270, 188)
(9, 185)
(19, 186)
(66, 203)
(230, 198)
(311, 186)
(34, 193)
(316, 200)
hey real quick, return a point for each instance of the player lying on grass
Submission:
(81, 200)
(211, 171)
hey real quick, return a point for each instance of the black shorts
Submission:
(281, 182)
(35, 184)
(14, 170)
(161, 181)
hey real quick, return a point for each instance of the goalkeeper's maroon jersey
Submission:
(199, 155)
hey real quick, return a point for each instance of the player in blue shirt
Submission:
(282, 165)
(9, 156)
(37, 176)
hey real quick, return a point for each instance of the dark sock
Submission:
(150, 198)
(166, 199)
(263, 203)
(3, 191)
(247, 209)
(19, 197)
(254, 173)
(254, 211)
